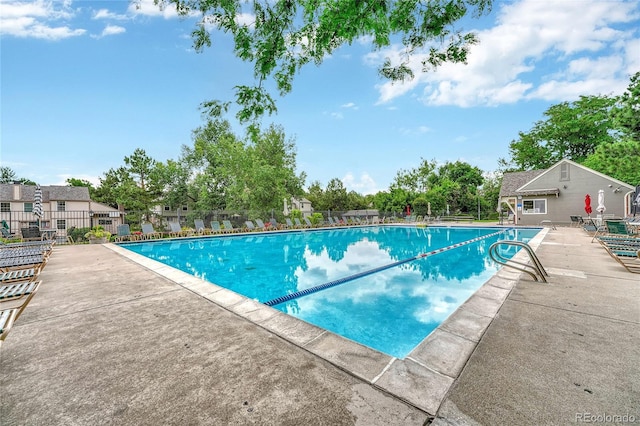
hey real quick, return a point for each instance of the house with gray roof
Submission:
(63, 207)
(559, 192)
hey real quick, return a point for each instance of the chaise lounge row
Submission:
(20, 267)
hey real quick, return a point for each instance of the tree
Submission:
(79, 182)
(7, 175)
(286, 35)
(571, 130)
(620, 160)
(626, 112)
(137, 186)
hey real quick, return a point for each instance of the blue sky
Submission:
(85, 83)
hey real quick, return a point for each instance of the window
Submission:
(564, 171)
(167, 208)
(28, 207)
(62, 206)
(534, 206)
(5, 207)
(61, 224)
(105, 222)
(185, 208)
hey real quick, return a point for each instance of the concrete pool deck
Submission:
(107, 340)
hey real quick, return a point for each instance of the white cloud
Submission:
(111, 30)
(106, 14)
(349, 105)
(149, 8)
(593, 53)
(420, 130)
(35, 19)
(363, 185)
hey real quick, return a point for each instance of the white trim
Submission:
(564, 160)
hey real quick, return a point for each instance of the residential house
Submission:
(63, 207)
(559, 192)
(303, 205)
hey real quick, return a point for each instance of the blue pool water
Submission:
(391, 310)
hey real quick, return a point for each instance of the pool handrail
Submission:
(536, 265)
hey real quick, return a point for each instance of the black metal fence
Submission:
(76, 223)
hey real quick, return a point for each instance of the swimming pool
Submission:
(391, 309)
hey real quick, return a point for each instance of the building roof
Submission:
(49, 193)
(514, 180)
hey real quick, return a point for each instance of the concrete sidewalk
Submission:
(107, 341)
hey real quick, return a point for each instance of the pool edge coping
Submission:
(421, 379)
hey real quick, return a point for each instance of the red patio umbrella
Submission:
(587, 204)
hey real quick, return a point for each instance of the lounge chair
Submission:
(261, 226)
(290, 224)
(274, 224)
(628, 257)
(228, 226)
(308, 222)
(149, 233)
(28, 274)
(36, 261)
(31, 234)
(216, 228)
(123, 233)
(200, 228)
(617, 227)
(6, 234)
(250, 226)
(7, 317)
(576, 221)
(17, 295)
(177, 231)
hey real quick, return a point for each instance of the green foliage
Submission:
(7, 175)
(78, 234)
(97, 232)
(316, 219)
(626, 112)
(287, 35)
(619, 160)
(571, 130)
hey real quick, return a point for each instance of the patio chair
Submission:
(148, 233)
(216, 228)
(177, 231)
(123, 233)
(576, 221)
(308, 222)
(629, 258)
(274, 224)
(297, 223)
(617, 227)
(7, 317)
(290, 224)
(17, 295)
(250, 226)
(28, 274)
(37, 262)
(200, 228)
(31, 234)
(6, 234)
(261, 226)
(228, 226)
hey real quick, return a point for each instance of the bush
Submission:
(78, 234)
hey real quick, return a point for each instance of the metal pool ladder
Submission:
(534, 269)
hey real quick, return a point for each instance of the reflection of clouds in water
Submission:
(399, 288)
(357, 257)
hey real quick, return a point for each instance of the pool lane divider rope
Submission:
(334, 283)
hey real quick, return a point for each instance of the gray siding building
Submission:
(559, 192)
